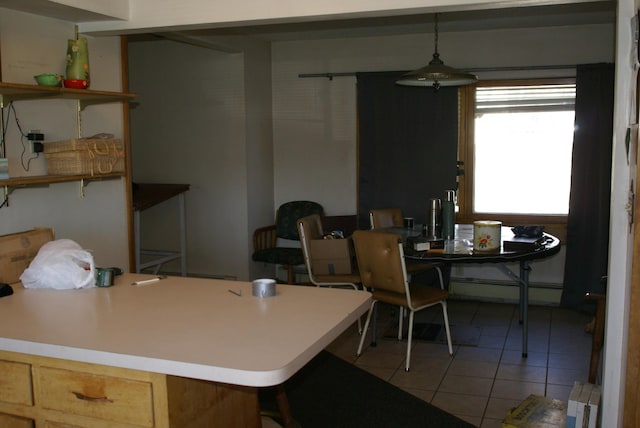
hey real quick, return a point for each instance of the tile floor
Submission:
(481, 383)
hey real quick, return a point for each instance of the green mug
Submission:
(104, 276)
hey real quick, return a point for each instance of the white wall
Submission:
(31, 45)
(620, 233)
(259, 143)
(197, 124)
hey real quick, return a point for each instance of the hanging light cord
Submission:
(436, 37)
(435, 59)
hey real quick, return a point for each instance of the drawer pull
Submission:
(81, 396)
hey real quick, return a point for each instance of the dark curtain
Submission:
(588, 221)
(407, 145)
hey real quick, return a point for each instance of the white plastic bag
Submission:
(61, 264)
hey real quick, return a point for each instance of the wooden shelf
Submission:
(47, 179)
(18, 91)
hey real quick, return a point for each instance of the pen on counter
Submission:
(147, 281)
(237, 293)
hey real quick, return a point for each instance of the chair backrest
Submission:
(309, 227)
(381, 261)
(385, 217)
(288, 215)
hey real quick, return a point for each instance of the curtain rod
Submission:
(330, 76)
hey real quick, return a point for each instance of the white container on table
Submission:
(486, 236)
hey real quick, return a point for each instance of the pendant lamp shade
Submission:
(436, 74)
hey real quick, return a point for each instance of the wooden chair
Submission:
(382, 270)
(265, 239)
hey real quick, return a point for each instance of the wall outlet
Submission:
(37, 147)
(35, 138)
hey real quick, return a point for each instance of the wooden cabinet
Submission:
(9, 421)
(40, 392)
(16, 392)
(15, 383)
(116, 399)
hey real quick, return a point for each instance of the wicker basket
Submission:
(92, 156)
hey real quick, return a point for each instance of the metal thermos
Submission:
(449, 214)
(434, 229)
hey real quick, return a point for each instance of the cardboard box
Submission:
(18, 249)
(331, 256)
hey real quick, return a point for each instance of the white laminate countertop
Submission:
(180, 326)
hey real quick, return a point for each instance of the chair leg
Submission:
(290, 275)
(440, 277)
(400, 316)
(594, 363)
(283, 407)
(409, 337)
(366, 326)
(446, 325)
(374, 328)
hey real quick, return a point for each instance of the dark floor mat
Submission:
(332, 393)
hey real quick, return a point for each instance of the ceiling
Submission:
(55, 10)
(580, 13)
(597, 12)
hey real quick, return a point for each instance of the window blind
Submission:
(503, 99)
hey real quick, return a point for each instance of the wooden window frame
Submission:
(554, 224)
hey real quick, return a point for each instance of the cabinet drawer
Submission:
(97, 396)
(15, 383)
(8, 421)
(51, 424)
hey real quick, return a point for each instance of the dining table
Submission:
(461, 250)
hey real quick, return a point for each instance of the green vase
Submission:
(78, 60)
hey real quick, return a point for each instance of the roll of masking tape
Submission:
(263, 288)
(486, 236)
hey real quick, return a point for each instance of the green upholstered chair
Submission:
(265, 239)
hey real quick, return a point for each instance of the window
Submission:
(516, 143)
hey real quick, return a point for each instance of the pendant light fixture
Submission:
(436, 74)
